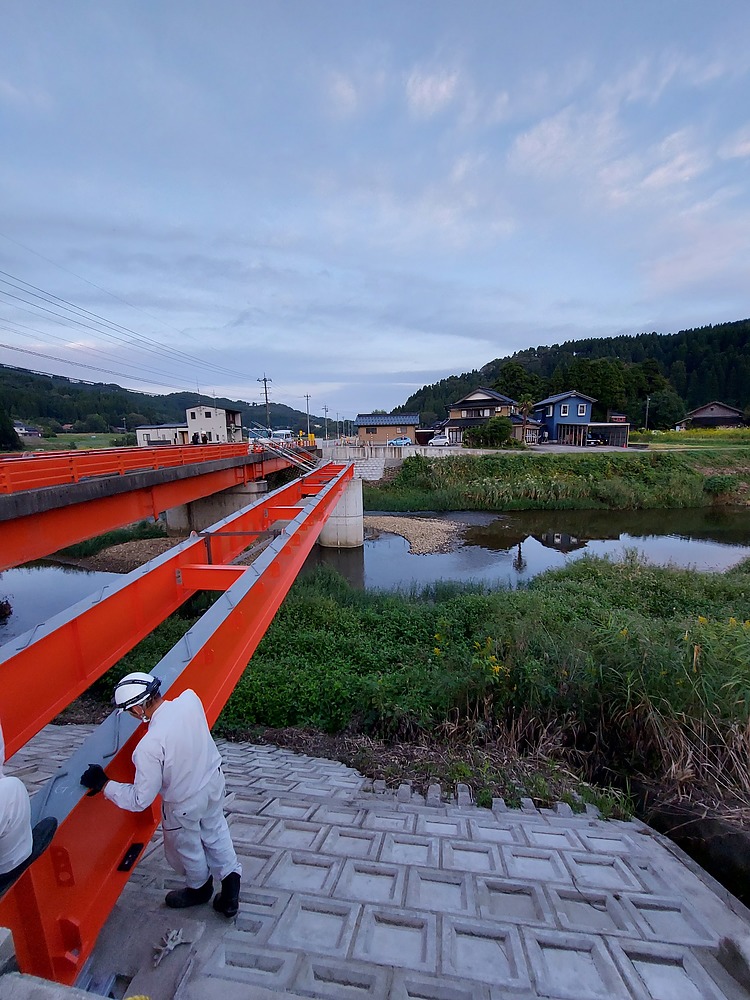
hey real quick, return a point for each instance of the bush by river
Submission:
(554, 481)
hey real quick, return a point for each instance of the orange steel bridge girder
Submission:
(60, 904)
(36, 535)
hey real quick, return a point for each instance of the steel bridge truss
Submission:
(60, 904)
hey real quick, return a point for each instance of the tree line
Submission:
(675, 373)
(51, 401)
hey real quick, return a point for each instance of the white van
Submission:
(284, 435)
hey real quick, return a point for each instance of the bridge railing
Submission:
(35, 470)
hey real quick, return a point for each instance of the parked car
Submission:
(593, 441)
(439, 441)
(401, 442)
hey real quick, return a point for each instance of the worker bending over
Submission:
(178, 759)
(19, 844)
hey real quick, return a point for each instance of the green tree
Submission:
(9, 440)
(665, 409)
(496, 432)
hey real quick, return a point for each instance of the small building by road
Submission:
(714, 414)
(380, 428)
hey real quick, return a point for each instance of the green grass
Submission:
(611, 480)
(66, 442)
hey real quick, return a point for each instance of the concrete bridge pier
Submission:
(344, 528)
(199, 514)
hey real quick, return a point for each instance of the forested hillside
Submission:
(678, 372)
(52, 401)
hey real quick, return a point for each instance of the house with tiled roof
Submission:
(565, 418)
(380, 428)
(479, 406)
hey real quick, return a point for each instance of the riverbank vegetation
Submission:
(600, 672)
(631, 480)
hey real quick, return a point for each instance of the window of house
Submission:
(208, 413)
(209, 435)
(563, 409)
(463, 413)
(486, 413)
(192, 414)
(581, 409)
(371, 430)
(549, 411)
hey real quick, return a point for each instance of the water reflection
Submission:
(38, 591)
(509, 549)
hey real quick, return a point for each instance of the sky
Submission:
(355, 199)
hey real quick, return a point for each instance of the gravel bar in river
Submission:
(425, 535)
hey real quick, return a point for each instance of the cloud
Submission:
(736, 146)
(428, 93)
(342, 95)
(16, 97)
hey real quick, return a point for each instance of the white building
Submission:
(213, 425)
(152, 434)
(204, 425)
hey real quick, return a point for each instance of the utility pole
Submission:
(337, 425)
(265, 382)
(307, 399)
(648, 400)
(325, 410)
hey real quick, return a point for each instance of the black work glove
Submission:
(94, 778)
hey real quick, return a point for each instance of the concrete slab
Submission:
(352, 891)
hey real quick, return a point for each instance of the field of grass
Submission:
(727, 437)
(605, 480)
(66, 442)
(618, 667)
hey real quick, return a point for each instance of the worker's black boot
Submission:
(228, 900)
(179, 899)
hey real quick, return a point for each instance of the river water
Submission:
(502, 549)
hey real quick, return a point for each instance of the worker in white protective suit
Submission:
(178, 759)
(19, 844)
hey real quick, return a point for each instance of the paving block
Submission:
(468, 855)
(371, 882)
(7, 948)
(397, 822)
(444, 892)
(591, 911)
(408, 849)
(273, 901)
(397, 937)
(499, 806)
(404, 791)
(552, 837)
(303, 872)
(601, 871)
(255, 926)
(534, 863)
(463, 795)
(668, 919)
(349, 816)
(603, 841)
(496, 831)
(255, 861)
(351, 842)
(572, 966)
(295, 835)
(418, 986)
(246, 830)
(347, 980)
(434, 795)
(320, 926)
(512, 901)
(483, 950)
(663, 972)
(281, 808)
(430, 825)
(649, 875)
(527, 806)
(563, 809)
(244, 962)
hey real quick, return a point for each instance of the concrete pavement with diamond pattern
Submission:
(350, 891)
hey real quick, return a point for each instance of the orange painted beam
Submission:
(205, 576)
(84, 644)
(30, 471)
(58, 907)
(36, 535)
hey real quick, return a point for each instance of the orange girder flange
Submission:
(43, 671)
(58, 907)
(34, 536)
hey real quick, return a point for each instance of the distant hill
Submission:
(678, 372)
(52, 399)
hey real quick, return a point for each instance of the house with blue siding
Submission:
(566, 419)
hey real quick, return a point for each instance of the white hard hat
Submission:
(134, 689)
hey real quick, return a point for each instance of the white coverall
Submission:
(178, 758)
(15, 818)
